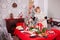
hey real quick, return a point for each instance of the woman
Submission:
(40, 17)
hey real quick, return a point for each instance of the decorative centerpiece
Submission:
(38, 32)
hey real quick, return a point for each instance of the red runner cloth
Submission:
(25, 36)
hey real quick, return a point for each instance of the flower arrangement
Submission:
(39, 32)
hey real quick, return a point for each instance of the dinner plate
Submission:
(19, 28)
(33, 35)
(22, 31)
(51, 32)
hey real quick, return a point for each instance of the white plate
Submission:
(33, 35)
(51, 32)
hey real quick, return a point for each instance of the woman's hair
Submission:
(37, 8)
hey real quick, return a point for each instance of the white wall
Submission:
(22, 5)
(54, 9)
(39, 3)
(6, 6)
(46, 7)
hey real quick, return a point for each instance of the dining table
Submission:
(26, 36)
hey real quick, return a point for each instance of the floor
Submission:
(15, 38)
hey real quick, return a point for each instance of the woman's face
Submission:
(38, 10)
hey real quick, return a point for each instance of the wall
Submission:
(7, 7)
(46, 7)
(39, 3)
(54, 9)
(22, 5)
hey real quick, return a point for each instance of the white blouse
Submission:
(40, 16)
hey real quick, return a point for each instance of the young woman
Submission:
(40, 17)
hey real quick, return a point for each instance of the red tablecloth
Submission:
(57, 32)
(25, 36)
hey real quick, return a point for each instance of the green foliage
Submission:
(31, 28)
(39, 32)
(44, 30)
